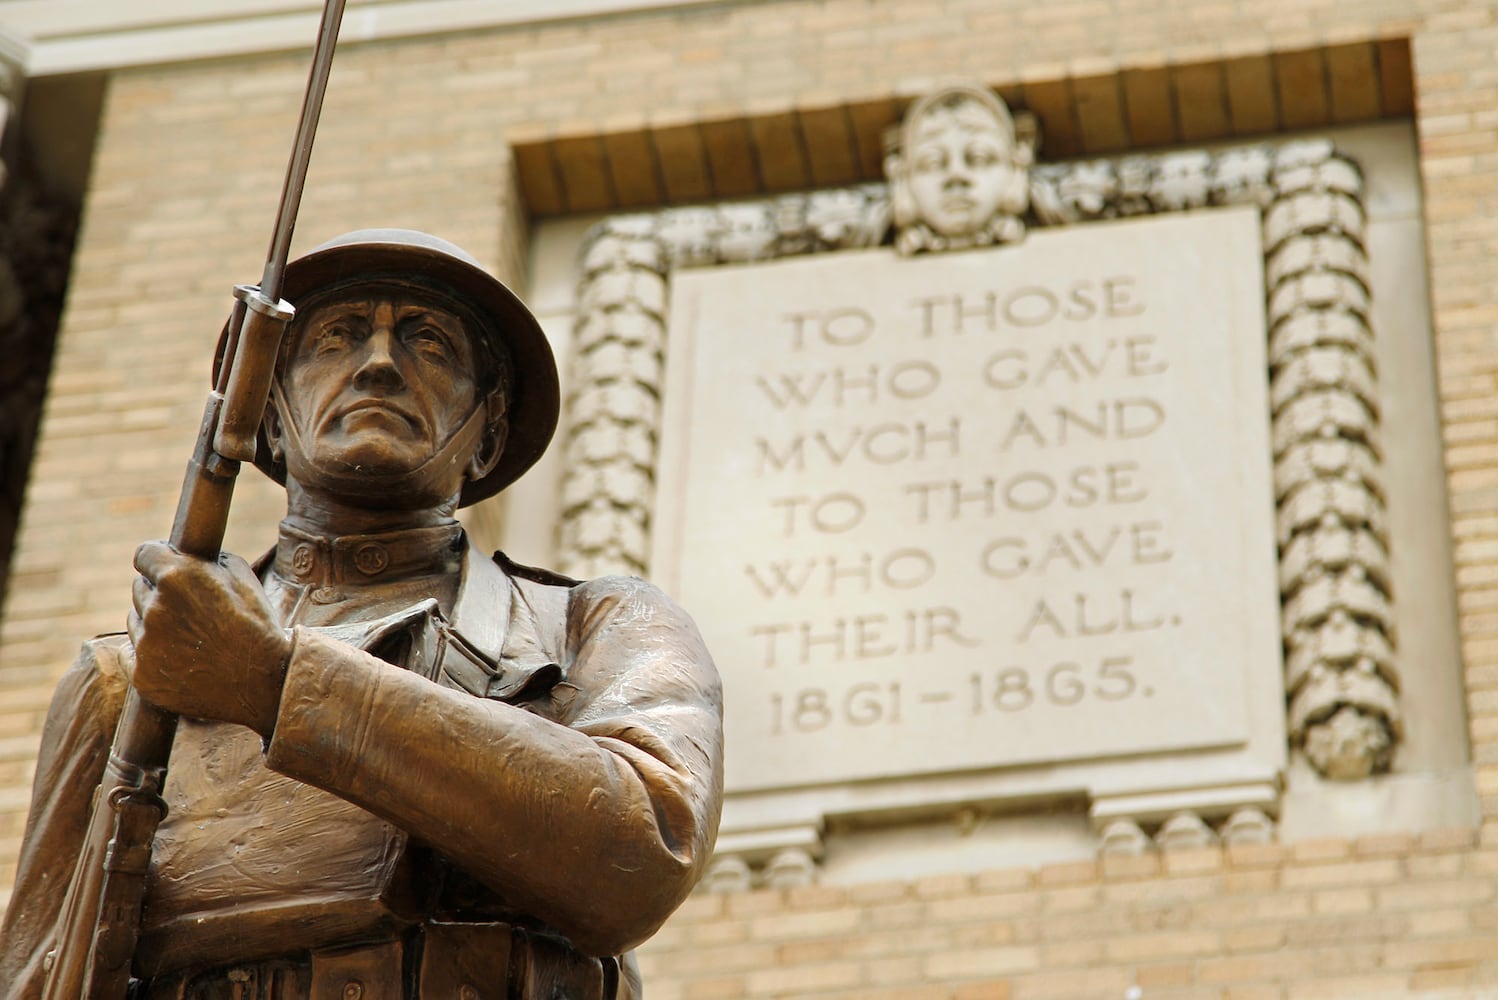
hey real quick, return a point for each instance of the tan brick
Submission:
(1383, 845)
(878, 892)
(1342, 901)
(1450, 839)
(943, 886)
(1053, 985)
(1254, 855)
(803, 979)
(983, 907)
(805, 952)
(1254, 992)
(1407, 954)
(715, 989)
(1122, 866)
(722, 932)
(1347, 987)
(1164, 944)
(1324, 849)
(821, 923)
(1193, 861)
(1071, 873)
(750, 904)
(1346, 873)
(994, 990)
(1440, 979)
(1165, 974)
(1240, 939)
(969, 964)
(1433, 894)
(816, 897)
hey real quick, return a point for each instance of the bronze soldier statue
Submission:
(404, 769)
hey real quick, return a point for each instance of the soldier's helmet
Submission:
(518, 350)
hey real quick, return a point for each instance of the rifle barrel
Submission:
(301, 151)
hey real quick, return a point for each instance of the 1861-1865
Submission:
(1011, 689)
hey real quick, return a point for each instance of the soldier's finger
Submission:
(134, 627)
(153, 558)
(140, 594)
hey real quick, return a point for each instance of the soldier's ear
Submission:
(486, 455)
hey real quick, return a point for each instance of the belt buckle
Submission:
(367, 973)
(465, 961)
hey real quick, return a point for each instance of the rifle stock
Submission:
(100, 918)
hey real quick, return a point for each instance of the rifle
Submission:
(100, 918)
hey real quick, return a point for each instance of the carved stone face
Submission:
(376, 384)
(959, 159)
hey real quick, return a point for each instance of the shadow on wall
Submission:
(47, 150)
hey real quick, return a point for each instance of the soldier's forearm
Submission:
(597, 835)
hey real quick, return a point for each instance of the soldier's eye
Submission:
(333, 337)
(427, 339)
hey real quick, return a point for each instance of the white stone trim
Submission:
(54, 37)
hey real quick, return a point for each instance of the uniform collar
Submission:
(305, 558)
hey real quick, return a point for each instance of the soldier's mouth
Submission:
(373, 408)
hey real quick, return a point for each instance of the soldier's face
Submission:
(376, 383)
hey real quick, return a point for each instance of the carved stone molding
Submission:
(1248, 826)
(1186, 830)
(1123, 838)
(1341, 680)
(727, 874)
(790, 868)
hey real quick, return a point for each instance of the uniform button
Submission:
(371, 559)
(353, 990)
(326, 595)
(466, 992)
(302, 559)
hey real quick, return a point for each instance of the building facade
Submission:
(600, 156)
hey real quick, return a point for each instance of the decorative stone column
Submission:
(1340, 676)
(613, 412)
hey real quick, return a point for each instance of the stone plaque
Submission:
(992, 509)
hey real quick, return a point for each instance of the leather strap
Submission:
(448, 961)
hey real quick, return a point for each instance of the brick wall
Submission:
(1386, 916)
(188, 164)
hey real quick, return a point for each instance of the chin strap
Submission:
(457, 450)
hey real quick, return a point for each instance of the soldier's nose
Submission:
(377, 368)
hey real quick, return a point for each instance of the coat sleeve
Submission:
(75, 746)
(599, 825)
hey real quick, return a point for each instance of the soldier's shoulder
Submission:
(104, 653)
(611, 587)
(99, 674)
(533, 574)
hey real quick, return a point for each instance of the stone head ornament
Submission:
(958, 169)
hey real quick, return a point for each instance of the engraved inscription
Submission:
(960, 513)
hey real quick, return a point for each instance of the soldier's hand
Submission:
(207, 643)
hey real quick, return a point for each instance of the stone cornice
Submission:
(56, 37)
